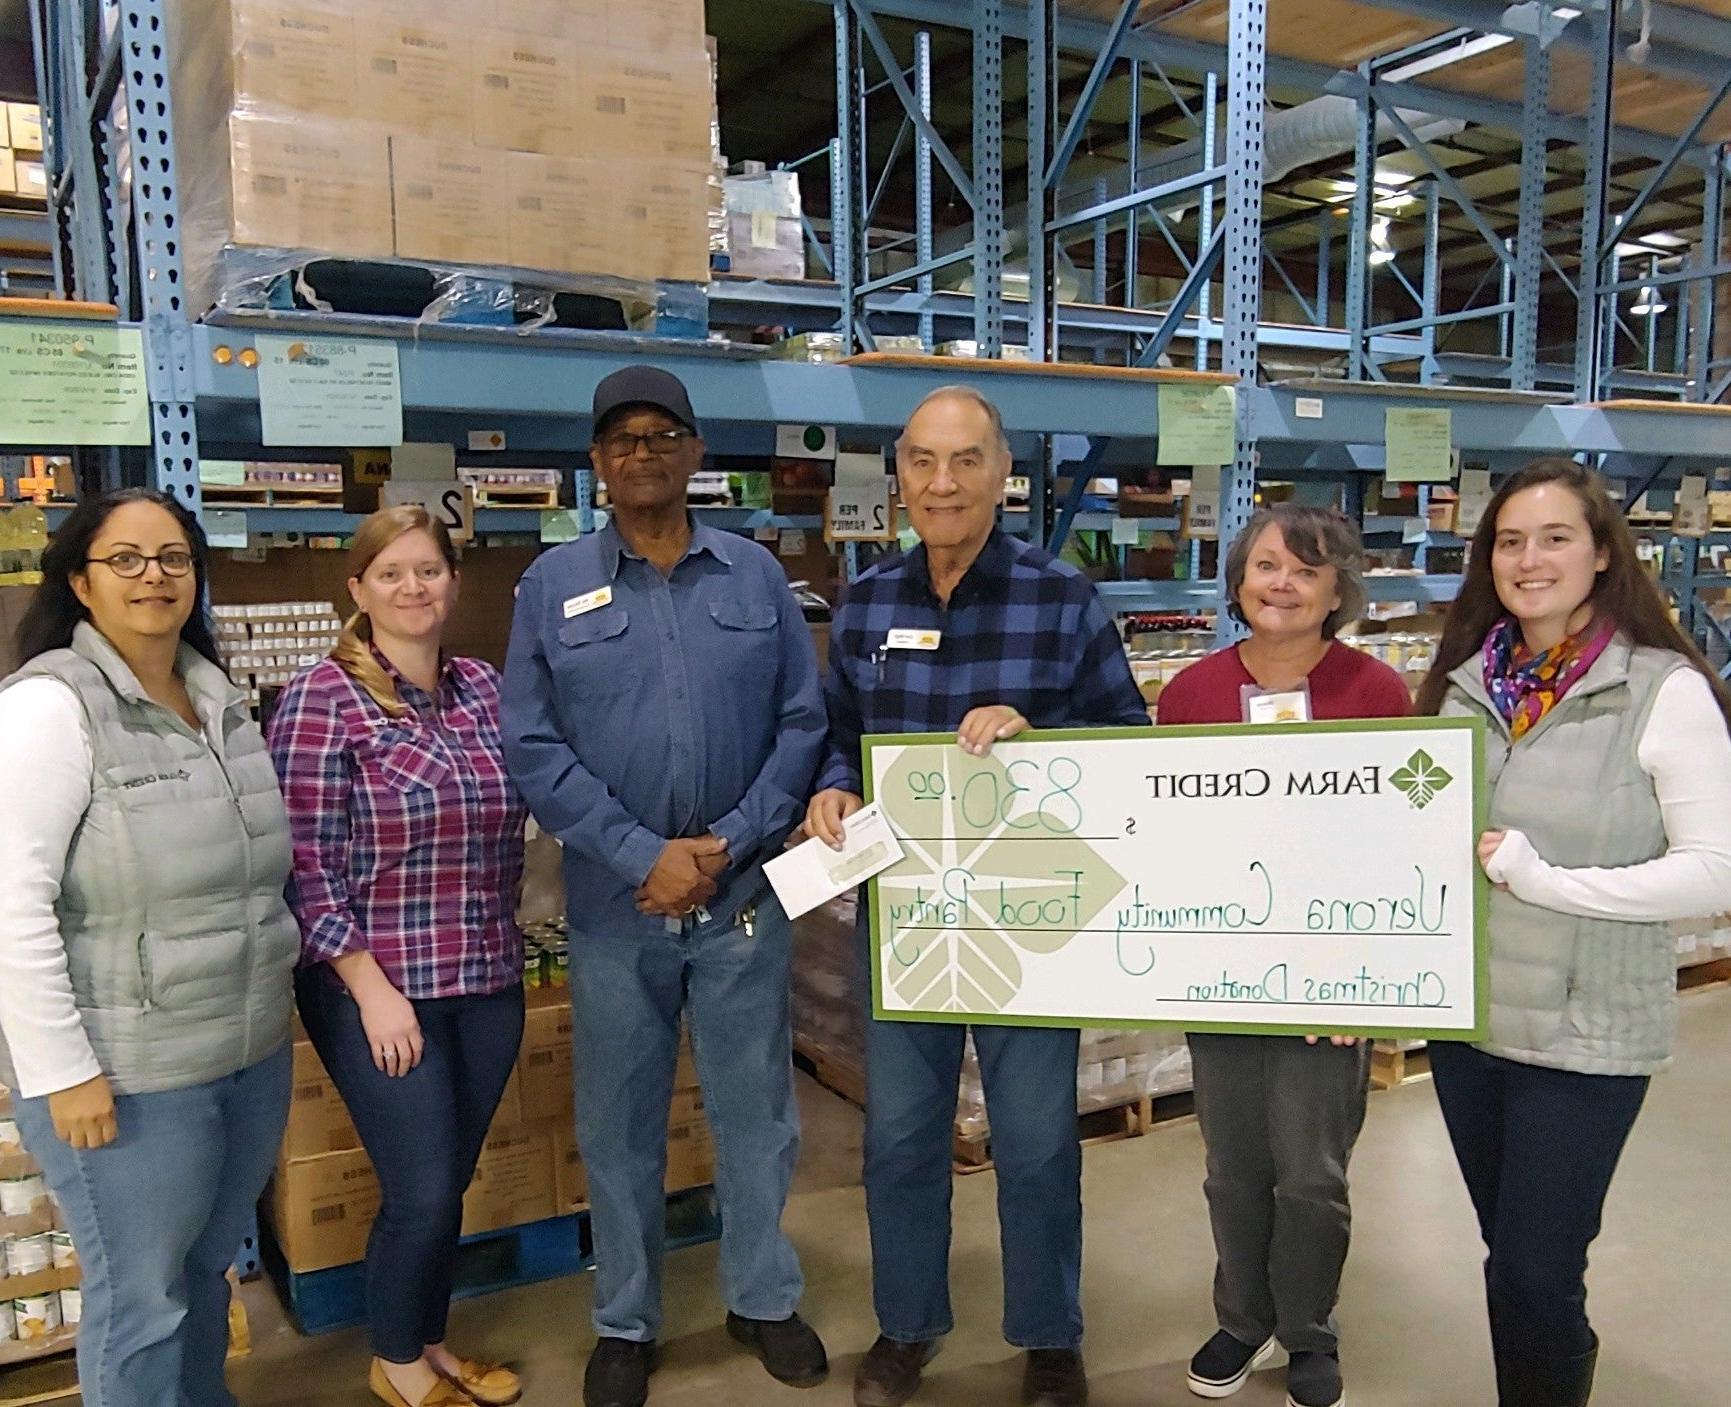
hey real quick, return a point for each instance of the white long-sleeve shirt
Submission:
(1686, 750)
(44, 792)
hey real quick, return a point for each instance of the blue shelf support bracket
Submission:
(1701, 325)
(1091, 90)
(847, 230)
(585, 501)
(1358, 265)
(988, 183)
(1430, 298)
(1530, 233)
(1324, 258)
(1246, 95)
(1042, 201)
(156, 209)
(1589, 348)
(923, 209)
(1133, 176)
(1205, 209)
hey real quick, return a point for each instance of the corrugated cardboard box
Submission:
(514, 1182)
(450, 202)
(8, 175)
(666, 221)
(545, 1064)
(526, 94)
(474, 14)
(24, 121)
(303, 184)
(649, 105)
(294, 56)
(5, 125)
(321, 1209)
(318, 1119)
(32, 178)
(570, 1180)
(416, 78)
(583, 21)
(563, 214)
(656, 25)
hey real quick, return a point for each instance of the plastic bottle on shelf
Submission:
(30, 534)
(9, 544)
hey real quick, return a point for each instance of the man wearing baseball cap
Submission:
(663, 719)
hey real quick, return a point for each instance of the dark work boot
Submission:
(1055, 1377)
(618, 1373)
(889, 1374)
(789, 1348)
(1544, 1380)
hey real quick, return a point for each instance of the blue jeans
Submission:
(1029, 1073)
(157, 1217)
(626, 997)
(1537, 1148)
(424, 1132)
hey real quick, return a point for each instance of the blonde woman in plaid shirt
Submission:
(408, 847)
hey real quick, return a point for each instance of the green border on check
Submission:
(1481, 885)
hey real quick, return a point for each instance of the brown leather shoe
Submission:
(444, 1394)
(889, 1374)
(487, 1383)
(1054, 1377)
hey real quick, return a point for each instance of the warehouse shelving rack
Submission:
(103, 68)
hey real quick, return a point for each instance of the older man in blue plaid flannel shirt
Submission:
(1022, 641)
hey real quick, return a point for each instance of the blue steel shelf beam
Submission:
(1530, 236)
(1246, 97)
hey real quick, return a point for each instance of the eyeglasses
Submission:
(177, 561)
(659, 443)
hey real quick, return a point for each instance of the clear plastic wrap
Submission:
(310, 130)
(765, 234)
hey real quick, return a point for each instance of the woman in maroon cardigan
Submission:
(1280, 1114)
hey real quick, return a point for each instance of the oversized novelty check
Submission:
(1301, 878)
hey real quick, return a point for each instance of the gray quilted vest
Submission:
(1593, 995)
(178, 942)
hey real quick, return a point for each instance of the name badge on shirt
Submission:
(913, 639)
(589, 601)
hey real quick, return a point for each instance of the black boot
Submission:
(1544, 1380)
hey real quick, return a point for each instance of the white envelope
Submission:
(812, 873)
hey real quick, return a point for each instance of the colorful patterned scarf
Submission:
(1524, 686)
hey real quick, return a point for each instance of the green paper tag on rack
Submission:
(1126, 532)
(559, 525)
(72, 383)
(222, 473)
(224, 528)
(329, 391)
(1418, 446)
(1198, 424)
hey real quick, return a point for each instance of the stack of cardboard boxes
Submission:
(40, 1302)
(323, 1198)
(573, 136)
(21, 170)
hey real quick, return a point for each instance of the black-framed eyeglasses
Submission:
(177, 561)
(658, 442)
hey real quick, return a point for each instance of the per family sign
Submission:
(1282, 878)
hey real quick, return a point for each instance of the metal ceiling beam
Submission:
(1687, 42)
(1195, 56)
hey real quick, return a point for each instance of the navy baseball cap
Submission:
(644, 385)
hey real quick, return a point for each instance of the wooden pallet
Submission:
(55, 1378)
(530, 496)
(260, 496)
(1391, 1066)
(1704, 976)
(52, 1379)
(972, 1152)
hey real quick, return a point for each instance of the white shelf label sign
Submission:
(859, 513)
(451, 503)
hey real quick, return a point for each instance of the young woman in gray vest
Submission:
(1609, 762)
(146, 952)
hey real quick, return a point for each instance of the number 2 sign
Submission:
(451, 503)
(859, 513)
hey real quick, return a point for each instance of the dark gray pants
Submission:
(1279, 1118)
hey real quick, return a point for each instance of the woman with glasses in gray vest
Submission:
(146, 952)
(1609, 763)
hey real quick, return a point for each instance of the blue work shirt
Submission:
(641, 708)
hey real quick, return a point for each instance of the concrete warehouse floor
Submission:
(1412, 1309)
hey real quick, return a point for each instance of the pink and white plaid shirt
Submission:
(408, 835)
